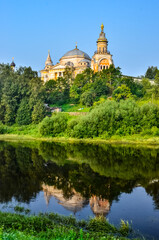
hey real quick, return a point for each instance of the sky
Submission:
(29, 28)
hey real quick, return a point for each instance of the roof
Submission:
(77, 52)
(12, 64)
(84, 60)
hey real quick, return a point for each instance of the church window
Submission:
(104, 67)
(103, 49)
(101, 67)
(100, 49)
(59, 74)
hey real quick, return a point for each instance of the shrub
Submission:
(71, 125)
(54, 125)
(119, 118)
(3, 128)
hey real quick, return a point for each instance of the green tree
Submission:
(23, 113)
(151, 72)
(39, 112)
(74, 93)
(87, 98)
(147, 88)
(122, 92)
(156, 85)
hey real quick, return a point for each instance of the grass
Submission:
(53, 226)
(131, 140)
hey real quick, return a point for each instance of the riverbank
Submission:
(132, 140)
(53, 226)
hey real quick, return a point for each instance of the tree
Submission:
(39, 112)
(122, 92)
(151, 72)
(156, 85)
(23, 113)
(135, 86)
(17, 89)
(87, 98)
(74, 93)
(147, 87)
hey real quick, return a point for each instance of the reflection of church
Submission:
(76, 202)
(79, 60)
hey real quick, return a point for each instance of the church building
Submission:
(79, 60)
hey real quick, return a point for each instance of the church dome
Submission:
(76, 52)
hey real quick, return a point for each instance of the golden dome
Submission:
(102, 27)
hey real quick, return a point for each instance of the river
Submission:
(85, 180)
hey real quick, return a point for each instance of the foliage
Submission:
(151, 72)
(74, 93)
(122, 118)
(125, 227)
(122, 92)
(23, 113)
(52, 227)
(87, 98)
(39, 112)
(19, 92)
(54, 125)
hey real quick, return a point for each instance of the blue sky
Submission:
(30, 27)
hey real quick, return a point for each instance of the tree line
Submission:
(23, 94)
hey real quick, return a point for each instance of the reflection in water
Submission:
(77, 175)
(99, 206)
(76, 202)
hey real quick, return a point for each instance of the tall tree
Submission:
(151, 72)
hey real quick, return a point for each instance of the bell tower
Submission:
(102, 59)
(102, 42)
(13, 64)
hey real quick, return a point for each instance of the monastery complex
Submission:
(79, 60)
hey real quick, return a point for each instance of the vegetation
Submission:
(20, 92)
(22, 98)
(53, 226)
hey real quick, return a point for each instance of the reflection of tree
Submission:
(153, 190)
(124, 162)
(100, 171)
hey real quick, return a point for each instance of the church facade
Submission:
(79, 60)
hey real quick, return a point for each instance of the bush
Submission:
(71, 125)
(54, 125)
(117, 118)
(3, 128)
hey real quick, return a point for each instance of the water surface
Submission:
(85, 180)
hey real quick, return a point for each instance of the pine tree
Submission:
(39, 112)
(23, 113)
